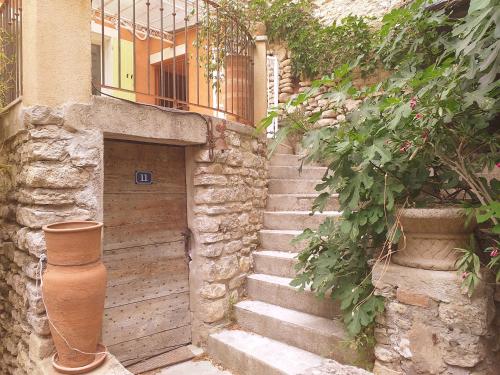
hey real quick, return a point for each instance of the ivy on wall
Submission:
(315, 49)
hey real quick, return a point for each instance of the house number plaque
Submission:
(143, 178)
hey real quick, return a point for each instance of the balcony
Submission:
(185, 55)
(10, 52)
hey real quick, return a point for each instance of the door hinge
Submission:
(187, 243)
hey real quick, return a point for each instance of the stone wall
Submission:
(226, 201)
(331, 112)
(330, 11)
(53, 174)
(431, 327)
(55, 159)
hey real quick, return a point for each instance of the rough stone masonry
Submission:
(51, 176)
(227, 210)
(430, 326)
(54, 172)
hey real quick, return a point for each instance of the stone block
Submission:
(383, 369)
(41, 151)
(41, 196)
(206, 224)
(213, 291)
(210, 179)
(386, 354)
(210, 238)
(43, 115)
(212, 311)
(40, 347)
(42, 175)
(211, 251)
(245, 264)
(220, 269)
(233, 247)
(32, 241)
(234, 158)
(237, 281)
(442, 286)
(475, 317)
(40, 323)
(411, 298)
(33, 296)
(50, 132)
(208, 169)
(37, 217)
(427, 355)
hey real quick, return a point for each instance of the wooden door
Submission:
(147, 301)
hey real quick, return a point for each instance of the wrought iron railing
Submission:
(184, 54)
(10, 51)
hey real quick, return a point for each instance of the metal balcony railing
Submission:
(184, 54)
(10, 52)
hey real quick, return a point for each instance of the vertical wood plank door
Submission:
(147, 299)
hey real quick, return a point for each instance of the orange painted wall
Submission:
(200, 93)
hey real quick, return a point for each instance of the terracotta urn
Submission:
(74, 288)
(431, 236)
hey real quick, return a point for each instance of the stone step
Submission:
(284, 149)
(292, 186)
(276, 263)
(247, 353)
(285, 159)
(302, 202)
(287, 172)
(280, 240)
(322, 336)
(296, 219)
(278, 291)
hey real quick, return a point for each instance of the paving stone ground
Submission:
(193, 368)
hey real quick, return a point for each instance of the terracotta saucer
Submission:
(99, 359)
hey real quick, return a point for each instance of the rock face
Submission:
(430, 327)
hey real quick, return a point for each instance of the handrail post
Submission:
(260, 78)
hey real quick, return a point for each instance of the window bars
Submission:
(10, 52)
(184, 54)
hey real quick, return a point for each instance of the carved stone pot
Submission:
(74, 288)
(431, 236)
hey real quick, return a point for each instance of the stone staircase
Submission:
(284, 330)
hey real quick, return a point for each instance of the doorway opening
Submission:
(145, 251)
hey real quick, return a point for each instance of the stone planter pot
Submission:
(74, 288)
(431, 236)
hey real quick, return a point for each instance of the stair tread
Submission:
(280, 280)
(272, 279)
(277, 253)
(298, 195)
(282, 231)
(326, 326)
(296, 167)
(298, 180)
(305, 213)
(285, 358)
